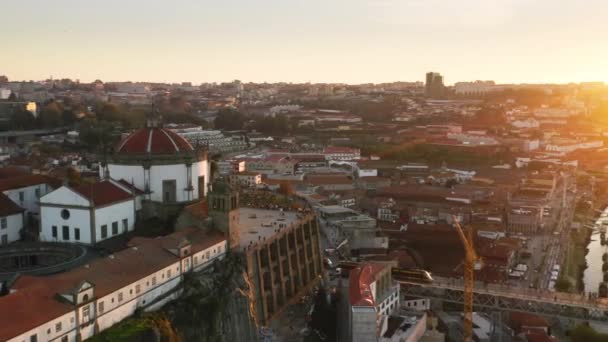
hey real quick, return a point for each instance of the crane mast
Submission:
(470, 260)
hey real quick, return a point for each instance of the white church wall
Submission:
(114, 213)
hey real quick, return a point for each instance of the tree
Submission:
(585, 333)
(74, 178)
(272, 126)
(108, 111)
(286, 188)
(22, 119)
(562, 285)
(51, 115)
(229, 119)
(98, 135)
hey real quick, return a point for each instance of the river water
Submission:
(593, 275)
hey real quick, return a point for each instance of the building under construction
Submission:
(283, 257)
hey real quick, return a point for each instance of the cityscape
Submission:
(446, 205)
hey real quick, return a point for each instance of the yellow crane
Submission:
(471, 262)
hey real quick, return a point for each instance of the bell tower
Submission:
(224, 211)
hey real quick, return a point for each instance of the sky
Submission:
(347, 41)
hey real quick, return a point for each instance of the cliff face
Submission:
(215, 306)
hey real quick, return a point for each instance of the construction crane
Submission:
(471, 262)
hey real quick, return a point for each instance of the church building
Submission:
(165, 166)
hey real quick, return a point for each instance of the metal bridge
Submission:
(506, 298)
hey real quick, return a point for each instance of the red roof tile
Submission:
(34, 302)
(360, 280)
(153, 141)
(12, 171)
(103, 193)
(25, 181)
(8, 207)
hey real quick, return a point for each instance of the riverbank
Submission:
(574, 263)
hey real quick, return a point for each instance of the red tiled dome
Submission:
(153, 141)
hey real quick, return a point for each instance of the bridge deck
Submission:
(509, 298)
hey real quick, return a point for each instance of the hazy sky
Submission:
(351, 41)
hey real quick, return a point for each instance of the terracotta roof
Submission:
(12, 171)
(519, 320)
(360, 280)
(25, 181)
(153, 141)
(338, 149)
(8, 207)
(34, 302)
(200, 209)
(103, 193)
(133, 188)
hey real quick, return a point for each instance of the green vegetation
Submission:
(585, 333)
(229, 119)
(141, 327)
(575, 263)
(204, 312)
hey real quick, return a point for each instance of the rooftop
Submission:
(34, 300)
(261, 224)
(153, 141)
(360, 280)
(25, 181)
(8, 207)
(103, 193)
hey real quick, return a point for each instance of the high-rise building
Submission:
(434, 87)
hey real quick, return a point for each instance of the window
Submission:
(34, 338)
(58, 327)
(195, 260)
(125, 225)
(77, 234)
(114, 228)
(54, 231)
(65, 214)
(208, 255)
(119, 297)
(137, 289)
(64, 339)
(100, 307)
(104, 231)
(85, 312)
(4, 239)
(37, 192)
(153, 280)
(65, 232)
(21, 196)
(168, 273)
(3, 223)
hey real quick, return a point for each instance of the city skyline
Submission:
(336, 42)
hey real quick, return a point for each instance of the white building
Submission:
(11, 220)
(161, 163)
(372, 295)
(75, 305)
(25, 191)
(246, 179)
(527, 123)
(213, 139)
(341, 153)
(89, 213)
(566, 146)
(476, 88)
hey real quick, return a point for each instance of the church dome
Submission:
(153, 140)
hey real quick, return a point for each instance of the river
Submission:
(593, 275)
